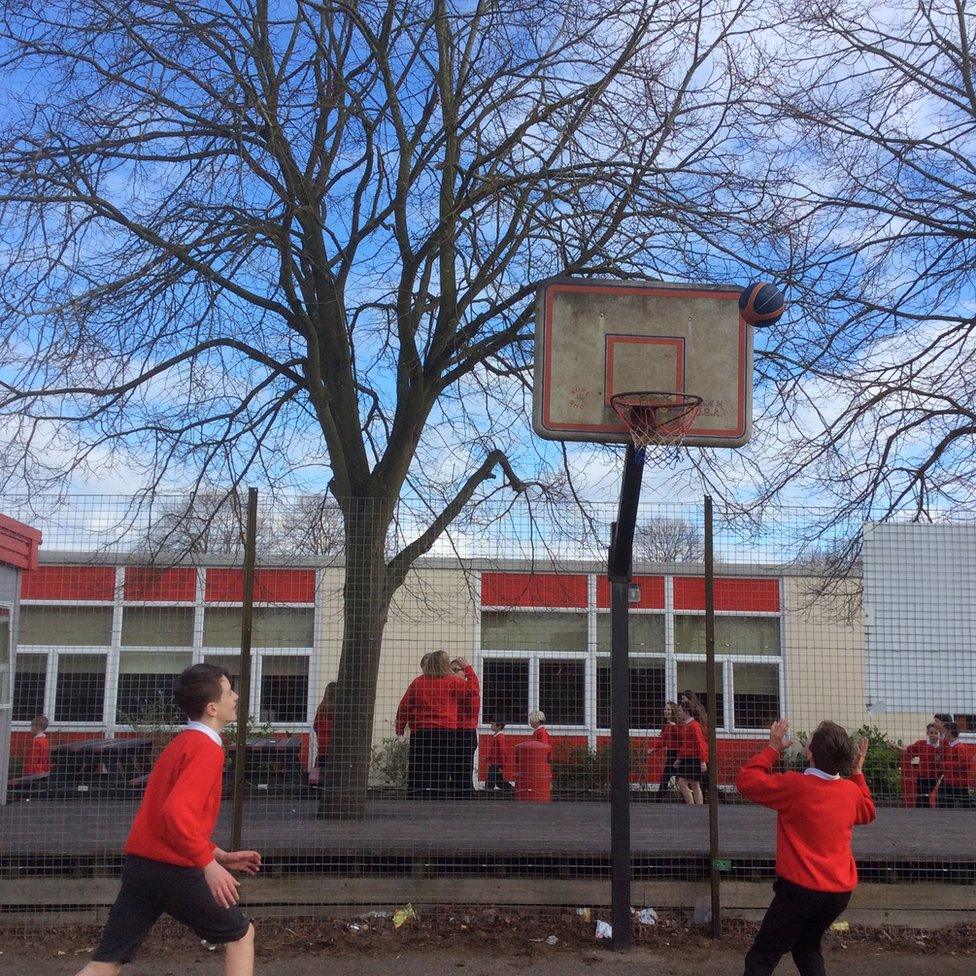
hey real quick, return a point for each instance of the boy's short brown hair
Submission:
(197, 686)
(833, 750)
(40, 722)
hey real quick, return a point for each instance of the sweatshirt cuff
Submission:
(204, 858)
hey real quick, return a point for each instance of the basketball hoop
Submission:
(656, 417)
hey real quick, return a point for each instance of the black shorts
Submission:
(688, 769)
(150, 888)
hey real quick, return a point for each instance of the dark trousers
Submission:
(496, 780)
(666, 773)
(953, 797)
(923, 789)
(430, 761)
(795, 922)
(465, 745)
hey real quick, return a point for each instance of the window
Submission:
(146, 686)
(646, 692)
(231, 663)
(270, 627)
(284, 689)
(157, 627)
(756, 695)
(80, 691)
(692, 677)
(733, 635)
(30, 684)
(646, 632)
(503, 630)
(505, 691)
(66, 625)
(562, 691)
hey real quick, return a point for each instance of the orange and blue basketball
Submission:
(761, 303)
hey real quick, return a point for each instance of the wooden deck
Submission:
(488, 836)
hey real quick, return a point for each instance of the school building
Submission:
(100, 640)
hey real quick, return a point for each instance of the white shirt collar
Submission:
(952, 743)
(206, 730)
(819, 773)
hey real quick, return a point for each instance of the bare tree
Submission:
(298, 242)
(214, 522)
(669, 540)
(871, 394)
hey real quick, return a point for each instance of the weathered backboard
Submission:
(595, 339)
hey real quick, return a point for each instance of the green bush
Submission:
(579, 769)
(882, 765)
(389, 760)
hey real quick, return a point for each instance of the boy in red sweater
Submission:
(171, 863)
(498, 760)
(926, 756)
(956, 771)
(815, 868)
(37, 759)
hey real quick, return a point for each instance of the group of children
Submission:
(683, 742)
(173, 866)
(942, 764)
(441, 708)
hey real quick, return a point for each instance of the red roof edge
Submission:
(18, 543)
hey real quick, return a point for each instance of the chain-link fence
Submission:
(438, 733)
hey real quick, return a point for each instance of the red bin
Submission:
(533, 773)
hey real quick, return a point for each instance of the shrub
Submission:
(389, 760)
(882, 765)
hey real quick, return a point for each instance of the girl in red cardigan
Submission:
(692, 760)
(429, 708)
(815, 869)
(172, 866)
(322, 727)
(668, 744)
(956, 771)
(466, 734)
(37, 759)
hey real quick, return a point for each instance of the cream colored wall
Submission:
(825, 664)
(433, 610)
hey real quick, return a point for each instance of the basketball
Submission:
(761, 303)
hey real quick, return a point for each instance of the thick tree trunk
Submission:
(366, 603)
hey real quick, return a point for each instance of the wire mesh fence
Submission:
(438, 734)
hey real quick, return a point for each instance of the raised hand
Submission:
(862, 753)
(779, 735)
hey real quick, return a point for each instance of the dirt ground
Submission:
(493, 945)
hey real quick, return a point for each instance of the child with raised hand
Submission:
(171, 863)
(815, 869)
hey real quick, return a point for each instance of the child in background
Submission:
(465, 734)
(692, 759)
(668, 744)
(498, 759)
(322, 726)
(926, 758)
(37, 758)
(815, 869)
(956, 771)
(540, 733)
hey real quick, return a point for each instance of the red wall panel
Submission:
(69, 583)
(533, 590)
(752, 595)
(148, 583)
(651, 587)
(270, 586)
